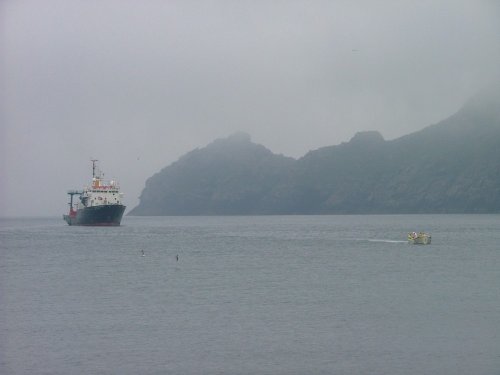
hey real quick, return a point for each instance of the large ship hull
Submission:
(103, 215)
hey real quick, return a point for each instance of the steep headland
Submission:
(449, 167)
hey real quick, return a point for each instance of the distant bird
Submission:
(143, 253)
(177, 258)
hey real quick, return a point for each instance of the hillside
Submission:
(449, 167)
(229, 176)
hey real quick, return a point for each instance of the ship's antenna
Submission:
(93, 167)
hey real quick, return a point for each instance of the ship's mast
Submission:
(93, 167)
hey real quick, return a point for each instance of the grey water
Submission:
(251, 295)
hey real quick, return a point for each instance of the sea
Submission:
(251, 295)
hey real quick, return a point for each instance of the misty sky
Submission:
(138, 84)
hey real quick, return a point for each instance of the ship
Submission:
(99, 204)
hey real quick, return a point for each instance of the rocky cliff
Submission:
(449, 167)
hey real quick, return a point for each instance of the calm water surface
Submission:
(251, 295)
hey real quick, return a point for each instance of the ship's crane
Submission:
(71, 193)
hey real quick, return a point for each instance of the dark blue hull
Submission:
(105, 215)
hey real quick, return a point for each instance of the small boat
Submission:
(420, 238)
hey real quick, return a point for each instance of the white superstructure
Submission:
(100, 193)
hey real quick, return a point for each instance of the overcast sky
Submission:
(138, 84)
